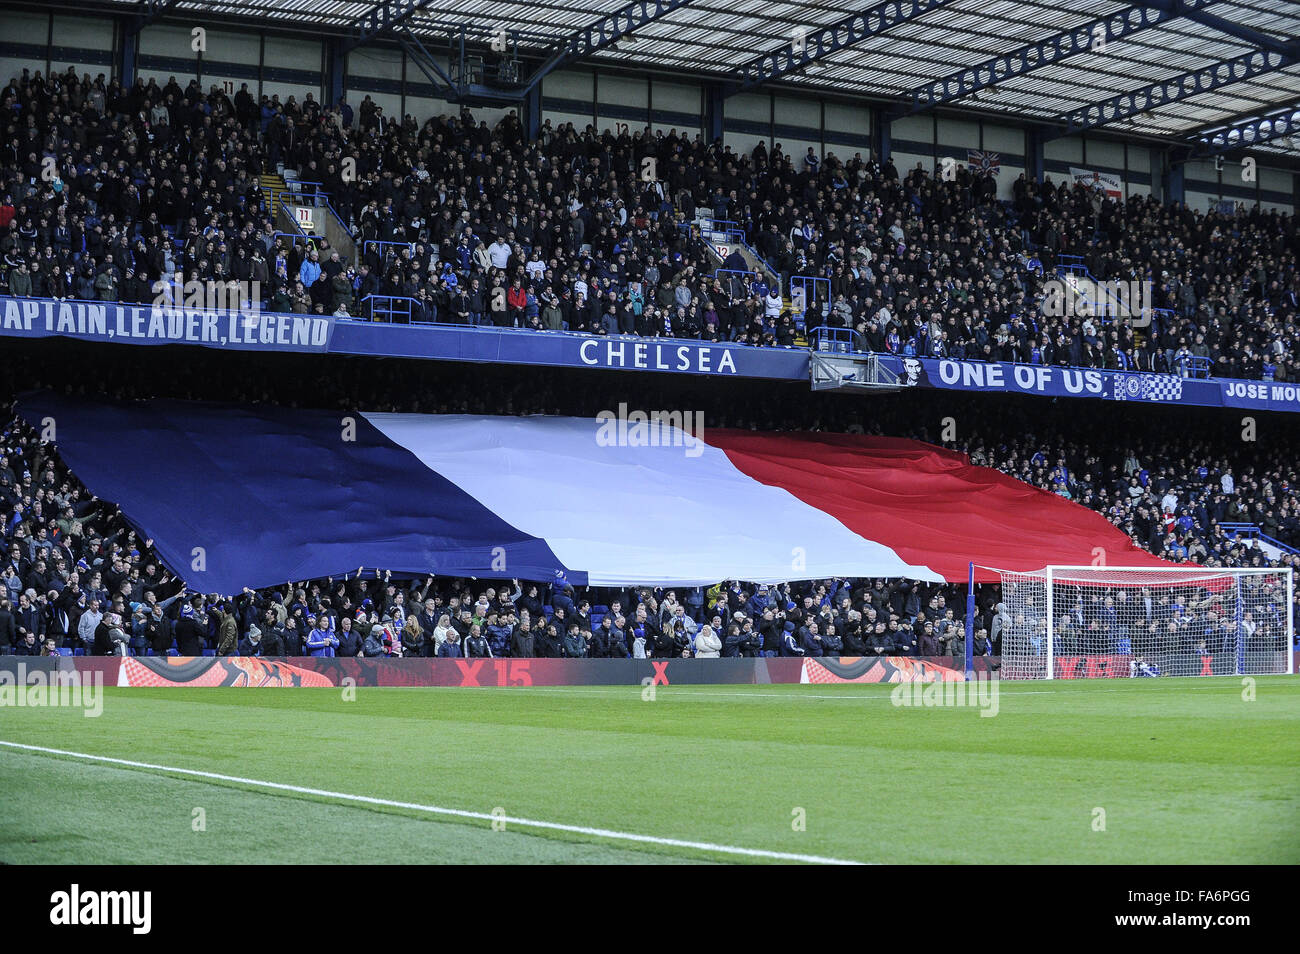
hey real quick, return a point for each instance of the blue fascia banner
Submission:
(1134, 386)
(148, 325)
(114, 323)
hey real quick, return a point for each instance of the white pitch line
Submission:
(635, 690)
(437, 810)
(689, 691)
(1010, 687)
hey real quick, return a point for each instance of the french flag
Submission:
(237, 495)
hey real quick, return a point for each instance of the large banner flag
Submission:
(256, 496)
(1106, 182)
(980, 161)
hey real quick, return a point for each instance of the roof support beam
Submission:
(1248, 35)
(426, 63)
(380, 19)
(881, 135)
(149, 11)
(1173, 90)
(455, 88)
(1020, 62)
(335, 59)
(1276, 124)
(806, 48)
(603, 33)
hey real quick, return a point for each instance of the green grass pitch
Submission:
(1185, 770)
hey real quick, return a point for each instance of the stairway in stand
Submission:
(273, 185)
(801, 338)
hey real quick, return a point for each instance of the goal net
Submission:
(1120, 622)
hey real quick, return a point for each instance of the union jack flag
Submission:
(990, 162)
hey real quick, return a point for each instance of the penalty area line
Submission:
(438, 810)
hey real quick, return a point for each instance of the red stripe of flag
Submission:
(930, 505)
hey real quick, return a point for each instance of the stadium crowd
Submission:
(104, 191)
(76, 576)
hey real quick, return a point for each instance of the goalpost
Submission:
(1089, 622)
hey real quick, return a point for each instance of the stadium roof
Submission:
(893, 50)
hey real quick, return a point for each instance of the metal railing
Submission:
(730, 236)
(315, 198)
(734, 234)
(1252, 531)
(1108, 306)
(768, 268)
(834, 340)
(304, 182)
(289, 214)
(299, 236)
(294, 187)
(808, 293)
(719, 225)
(1192, 366)
(394, 309)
